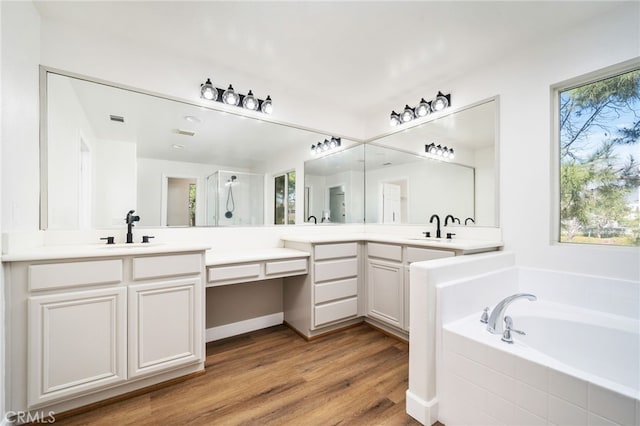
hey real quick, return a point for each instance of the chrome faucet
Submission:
(130, 219)
(438, 235)
(495, 325)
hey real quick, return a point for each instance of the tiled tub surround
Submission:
(579, 363)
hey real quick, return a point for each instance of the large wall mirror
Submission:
(106, 150)
(404, 185)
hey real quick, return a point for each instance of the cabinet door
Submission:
(77, 343)
(385, 292)
(165, 325)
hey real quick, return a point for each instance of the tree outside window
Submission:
(599, 126)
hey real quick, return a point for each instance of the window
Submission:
(599, 133)
(285, 199)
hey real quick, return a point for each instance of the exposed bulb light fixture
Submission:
(231, 97)
(250, 102)
(439, 152)
(326, 145)
(394, 119)
(440, 102)
(267, 106)
(407, 114)
(207, 91)
(424, 108)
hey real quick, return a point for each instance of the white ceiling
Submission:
(355, 53)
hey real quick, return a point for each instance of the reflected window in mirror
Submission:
(285, 199)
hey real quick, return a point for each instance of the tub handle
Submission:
(508, 328)
(485, 316)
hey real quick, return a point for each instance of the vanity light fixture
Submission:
(394, 119)
(230, 97)
(424, 108)
(407, 114)
(326, 145)
(439, 152)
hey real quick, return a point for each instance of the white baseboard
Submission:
(426, 412)
(240, 327)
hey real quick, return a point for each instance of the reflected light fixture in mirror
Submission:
(440, 102)
(230, 97)
(326, 145)
(394, 119)
(440, 152)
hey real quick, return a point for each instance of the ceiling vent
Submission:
(185, 132)
(116, 118)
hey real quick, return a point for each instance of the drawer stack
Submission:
(335, 284)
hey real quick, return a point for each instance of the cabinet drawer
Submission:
(286, 266)
(336, 269)
(335, 290)
(385, 251)
(220, 273)
(417, 254)
(334, 311)
(58, 275)
(333, 251)
(166, 266)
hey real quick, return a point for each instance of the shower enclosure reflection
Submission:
(235, 198)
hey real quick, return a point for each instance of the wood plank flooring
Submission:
(357, 376)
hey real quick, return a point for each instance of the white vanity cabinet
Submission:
(77, 342)
(387, 280)
(328, 296)
(85, 329)
(165, 313)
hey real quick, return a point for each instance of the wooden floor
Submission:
(273, 377)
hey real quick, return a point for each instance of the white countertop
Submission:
(463, 245)
(217, 257)
(100, 250)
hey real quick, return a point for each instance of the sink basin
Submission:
(132, 245)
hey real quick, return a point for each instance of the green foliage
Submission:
(594, 183)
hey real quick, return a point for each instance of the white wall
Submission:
(20, 26)
(523, 80)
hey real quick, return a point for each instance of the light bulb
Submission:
(313, 150)
(207, 91)
(439, 150)
(440, 102)
(267, 106)
(325, 145)
(250, 102)
(451, 154)
(394, 119)
(230, 97)
(333, 143)
(407, 114)
(423, 108)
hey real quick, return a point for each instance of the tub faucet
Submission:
(496, 319)
(438, 235)
(130, 219)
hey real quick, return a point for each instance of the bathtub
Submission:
(574, 366)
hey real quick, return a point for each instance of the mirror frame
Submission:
(43, 142)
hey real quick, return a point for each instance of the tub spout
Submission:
(496, 319)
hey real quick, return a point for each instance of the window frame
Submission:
(555, 89)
